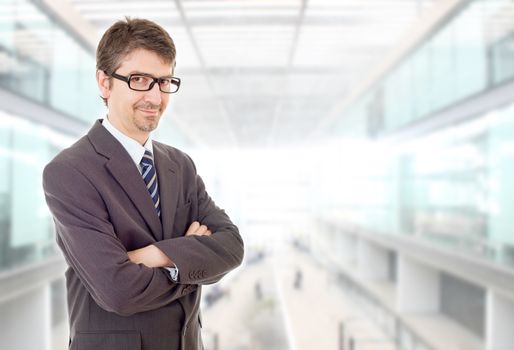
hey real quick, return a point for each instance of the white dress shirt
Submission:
(134, 148)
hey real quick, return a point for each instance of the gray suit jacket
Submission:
(101, 210)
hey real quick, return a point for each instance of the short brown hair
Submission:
(130, 34)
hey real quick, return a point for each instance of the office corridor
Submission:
(287, 314)
(364, 149)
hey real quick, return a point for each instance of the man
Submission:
(137, 228)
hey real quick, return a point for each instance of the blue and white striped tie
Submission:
(150, 178)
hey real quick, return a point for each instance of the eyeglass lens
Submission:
(145, 83)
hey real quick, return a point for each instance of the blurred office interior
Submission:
(365, 149)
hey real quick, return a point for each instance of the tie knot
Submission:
(147, 158)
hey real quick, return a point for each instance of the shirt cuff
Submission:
(173, 272)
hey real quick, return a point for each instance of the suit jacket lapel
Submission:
(168, 188)
(167, 170)
(122, 168)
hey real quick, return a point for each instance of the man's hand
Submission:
(195, 229)
(150, 256)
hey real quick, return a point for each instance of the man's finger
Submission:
(196, 229)
(193, 227)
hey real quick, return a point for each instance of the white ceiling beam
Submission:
(221, 107)
(290, 59)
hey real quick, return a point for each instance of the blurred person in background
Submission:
(137, 228)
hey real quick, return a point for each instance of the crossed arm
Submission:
(152, 256)
(99, 259)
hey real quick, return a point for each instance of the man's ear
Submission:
(104, 83)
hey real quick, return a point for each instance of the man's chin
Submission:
(148, 124)
(148, 127)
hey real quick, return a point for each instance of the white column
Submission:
(372, 260)
(499, 322)
(25, 321)
(418, 287)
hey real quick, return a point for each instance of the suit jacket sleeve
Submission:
(93, 250)
(205, 259)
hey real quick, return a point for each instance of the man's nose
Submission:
(154, 95)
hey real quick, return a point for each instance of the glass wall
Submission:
(453, 187)
(26, 228)
(41, 61)
(444, 192)
(470, 54)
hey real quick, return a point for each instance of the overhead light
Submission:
(227, 4)
(150, 14)
(243, 12)
(126, 6)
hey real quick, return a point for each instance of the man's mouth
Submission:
(149, 111)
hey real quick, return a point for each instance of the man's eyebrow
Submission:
(150, 75)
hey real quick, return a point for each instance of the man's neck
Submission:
(139, 136)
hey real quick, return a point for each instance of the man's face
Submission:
(136, 113)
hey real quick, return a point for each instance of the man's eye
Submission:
(165, 82)
(139, 79)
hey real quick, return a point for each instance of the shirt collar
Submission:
(134, 148)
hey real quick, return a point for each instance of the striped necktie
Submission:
(150, 178)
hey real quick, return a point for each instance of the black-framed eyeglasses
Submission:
(145, 82)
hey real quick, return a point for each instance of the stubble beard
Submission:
(146, 124)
